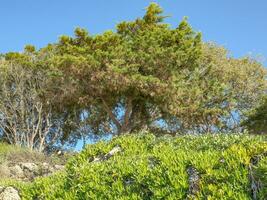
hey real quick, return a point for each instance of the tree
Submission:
(124, 80)
(149, 76)
(227, 89)
(257, 118)
(25, 120)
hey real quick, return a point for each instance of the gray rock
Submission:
(31, 167)
(4, 171)
(28, 171)
(45, 167)
(113, 151)
(9, 193)
(16, 171)
(59, 167)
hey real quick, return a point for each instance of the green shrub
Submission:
(261, 175)
(156, 168)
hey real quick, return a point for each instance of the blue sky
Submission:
(239, 25)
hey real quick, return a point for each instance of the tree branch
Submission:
(127, 114)
(111, 115)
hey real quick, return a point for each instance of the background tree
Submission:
(149, 76)
(124, 80)
(225, 89)
(257, 119)
(25, 120)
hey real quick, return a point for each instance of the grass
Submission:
(261, 173)
(11, 155)
(15, 154)
(6, 150)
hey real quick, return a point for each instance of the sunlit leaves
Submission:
(155, 168)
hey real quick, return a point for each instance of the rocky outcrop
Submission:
(16, 171)
(28, 171)
(23, 171)
(9, 193)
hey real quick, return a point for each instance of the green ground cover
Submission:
(148, 167)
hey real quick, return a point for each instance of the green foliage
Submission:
(29, 49)
(155, 168)
(257, 118)
(15, 154)
(261, 175)
(146, 71)
(130, 71)
(7, 149)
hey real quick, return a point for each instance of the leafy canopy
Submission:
(147, 75)
(143, 75)
(129, 78)
(150, 167)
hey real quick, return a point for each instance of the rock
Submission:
(113, 151)
(9, 193)
(194, 182)
(46, 167)
(31, 167)
(60, 153)
(98, 159)
(16, 171)
(59, 167)
(4, 171)
(255, 184)
(28, 171)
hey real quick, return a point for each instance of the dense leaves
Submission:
(257, 118)
(156, 168)
(131, 72)
(149, 76)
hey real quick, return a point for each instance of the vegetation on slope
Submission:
(145, 75)
(124, 81)
(16, 154)
(261, 175)
(14, 159)
(148, 167)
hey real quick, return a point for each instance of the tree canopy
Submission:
(143, 75)
(257, 118)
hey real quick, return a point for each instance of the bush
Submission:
(156, 168)
(261, 175)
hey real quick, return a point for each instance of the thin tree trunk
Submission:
(112, 116)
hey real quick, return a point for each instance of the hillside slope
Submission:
(145, 167)
(21, 164)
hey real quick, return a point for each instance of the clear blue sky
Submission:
(239, 25)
